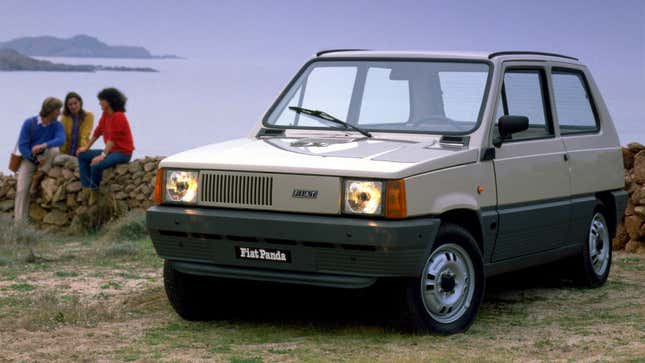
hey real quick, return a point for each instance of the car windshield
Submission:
(440, 97)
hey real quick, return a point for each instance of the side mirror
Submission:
(508, 125)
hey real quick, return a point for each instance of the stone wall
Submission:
(60, 199)
(631, 233)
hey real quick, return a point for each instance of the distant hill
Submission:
(10, 60)
(79, 46)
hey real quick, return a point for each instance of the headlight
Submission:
(181, 186)
(363, 197)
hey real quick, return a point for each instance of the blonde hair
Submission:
(50, 104)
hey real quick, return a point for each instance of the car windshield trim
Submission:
(307, 66)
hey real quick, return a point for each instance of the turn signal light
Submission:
(157, 197)
(395, 207)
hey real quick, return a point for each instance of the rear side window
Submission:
(572, 103)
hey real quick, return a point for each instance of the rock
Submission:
(48, 187)
(129, 188)
(6, 205)
(138, 175)
(115, 187)
(635, 147)
(618, 243)
(56, 217)
(634, 246)
(628, 158)
(638, 172)
(120, 195)
(71, 201)
(141, 197)
(74, 187)
(134, 167)
(11, 194)
(629, 210)
(636, 194)
(640, 211)
(632, 226)
(37, 212)
(108, 174)
(67, 174)
(71, 165)
(150, 166)
(121, 169)
(55, 173)
(60, 194)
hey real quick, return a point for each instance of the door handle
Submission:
(566, 157)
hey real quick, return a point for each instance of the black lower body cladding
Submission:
(310, 249)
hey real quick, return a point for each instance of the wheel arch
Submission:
(608, 207)
(469, 219)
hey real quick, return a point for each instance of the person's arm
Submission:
(97, 133)
(59, 136)
(86, 130)
(23, 140)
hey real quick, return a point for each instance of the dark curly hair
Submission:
(66, 110)
(114, 98)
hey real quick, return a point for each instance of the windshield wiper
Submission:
(327, 117)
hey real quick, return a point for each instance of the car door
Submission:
(532, 175)
(595, 156)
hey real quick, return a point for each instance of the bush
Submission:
(24, 235)
(129, 228)
(106, 210)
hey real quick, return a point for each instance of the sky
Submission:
(608, 36)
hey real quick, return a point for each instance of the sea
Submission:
(188, 103)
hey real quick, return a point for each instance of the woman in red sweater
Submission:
(115, 129)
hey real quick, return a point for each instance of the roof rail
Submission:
(513, 52)
(325, 51)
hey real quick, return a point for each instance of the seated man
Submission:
(39, 140)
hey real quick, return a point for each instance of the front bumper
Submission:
(325, 250)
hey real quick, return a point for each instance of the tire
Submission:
(594, 262)
(190, 295)
(446, 297)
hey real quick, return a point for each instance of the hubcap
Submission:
(599, 244)
(448, 284)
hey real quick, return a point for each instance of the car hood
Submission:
(340, 156)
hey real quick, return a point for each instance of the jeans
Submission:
(91, 175)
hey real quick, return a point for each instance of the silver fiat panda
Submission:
(436, 170)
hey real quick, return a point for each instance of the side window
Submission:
(523, 95)
(572, 103)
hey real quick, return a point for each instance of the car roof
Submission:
(481, 56)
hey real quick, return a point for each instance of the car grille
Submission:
(219, 188)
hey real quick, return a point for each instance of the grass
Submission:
(90, 298)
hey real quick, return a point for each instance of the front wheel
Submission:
(446, 297)
(191, 296)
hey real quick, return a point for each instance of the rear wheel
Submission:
(447, 296)
(594, 263)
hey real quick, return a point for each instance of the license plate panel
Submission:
(274, 255)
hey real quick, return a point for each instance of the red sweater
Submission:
(115, 128)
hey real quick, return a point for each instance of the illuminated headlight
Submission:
(363, 197)
(181, 186)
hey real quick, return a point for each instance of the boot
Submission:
(35, 182)
(94, 196)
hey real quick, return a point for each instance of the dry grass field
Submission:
(100, 297)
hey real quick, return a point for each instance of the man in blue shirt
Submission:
(40, 137)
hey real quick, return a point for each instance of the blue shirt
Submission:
(34, 132)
